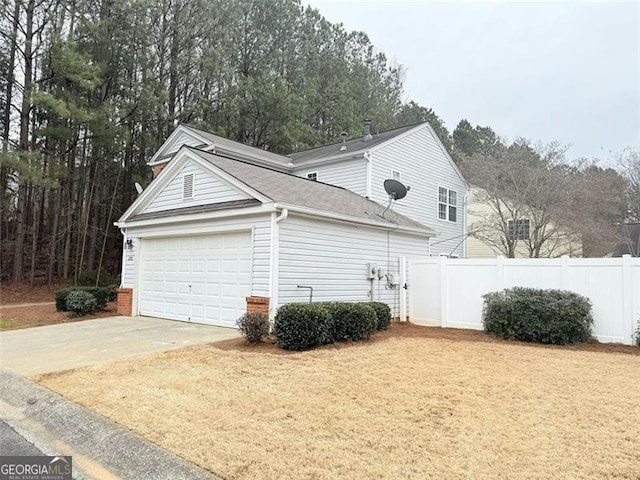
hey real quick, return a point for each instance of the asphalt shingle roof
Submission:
(355, 146)
(241, 147)
(297, 191)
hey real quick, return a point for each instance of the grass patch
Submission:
(393, 408)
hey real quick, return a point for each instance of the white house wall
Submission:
(424, 167)
(349, 174)
(207, 189)
(333, 258)
(259, 225)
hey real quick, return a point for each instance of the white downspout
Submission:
(367, 157)
(124, 255)
(274, 270)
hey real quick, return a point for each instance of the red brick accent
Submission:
(156, 169)
(258, 305)
(125, 301)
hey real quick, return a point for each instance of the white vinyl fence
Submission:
(448, 292)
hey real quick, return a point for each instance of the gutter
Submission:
(310, 212)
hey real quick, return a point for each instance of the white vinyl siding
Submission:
(183, 138)
(129, 266)
(260, 226)
(349, 174)
(425, 167)
(206, 189)
(333, 257)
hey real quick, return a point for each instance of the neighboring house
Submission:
(226, 227)
(630, 242)
(486, 232)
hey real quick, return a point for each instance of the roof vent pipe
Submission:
(367, 130)
(344, 141)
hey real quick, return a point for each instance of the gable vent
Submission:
(187, 186)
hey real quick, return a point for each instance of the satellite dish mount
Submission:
(395, 190)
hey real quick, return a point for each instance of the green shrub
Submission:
(299, 326)
(81, 302)
(253, 326)
(351, 321)
(542, 316)
(383, 312)
(101, 294)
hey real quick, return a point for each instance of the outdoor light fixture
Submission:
(129, 244)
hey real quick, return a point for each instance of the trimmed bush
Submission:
(352, 321)
(300, 326)
(81, 302)
(101, 294)
(543, 316)
(383, 312)
(253, 326)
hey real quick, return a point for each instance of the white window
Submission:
(447, 204)
(312, 176)
(395, 174)
(519, 229)
(187, 185)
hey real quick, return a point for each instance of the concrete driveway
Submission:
(70, 345)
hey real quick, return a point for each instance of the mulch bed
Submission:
(26, 317)
(409, 330)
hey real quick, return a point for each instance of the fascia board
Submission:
(156, 186)
(155, 159)
(168, 173)
(196, 217)
(230, 179)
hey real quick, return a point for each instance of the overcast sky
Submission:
(545, 71)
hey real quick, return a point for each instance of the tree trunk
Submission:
(25, 115)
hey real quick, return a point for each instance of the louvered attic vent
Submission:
(187, 186)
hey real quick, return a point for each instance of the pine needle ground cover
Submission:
(397, 408)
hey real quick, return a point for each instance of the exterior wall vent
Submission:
(187, 186)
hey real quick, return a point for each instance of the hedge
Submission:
(383, 312)
(534, 315)
(300, 326)
(101, 294)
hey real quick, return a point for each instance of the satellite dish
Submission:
(395, 189)
(139, 188)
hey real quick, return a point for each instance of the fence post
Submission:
(401, 290)
(444, 293)
(627, 300)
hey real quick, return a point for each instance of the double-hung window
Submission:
(447, 204)
(519, 229)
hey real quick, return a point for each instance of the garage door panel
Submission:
(198, 279)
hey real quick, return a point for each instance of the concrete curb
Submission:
(100, 448)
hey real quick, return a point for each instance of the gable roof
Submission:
(225, 146)
(354, 146)
(292, 191)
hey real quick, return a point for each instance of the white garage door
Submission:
(202, 279)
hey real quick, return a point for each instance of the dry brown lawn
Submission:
(393, 408)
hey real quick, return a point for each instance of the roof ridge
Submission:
(358, 137)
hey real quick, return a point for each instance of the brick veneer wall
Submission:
(156, 169)
(125, 301)
(258, 305)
